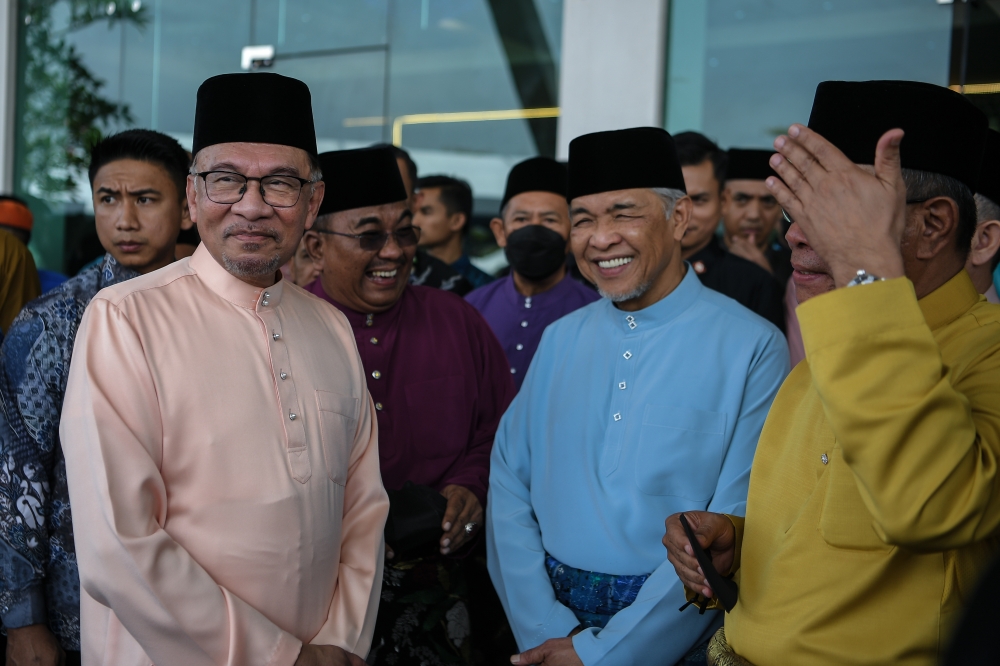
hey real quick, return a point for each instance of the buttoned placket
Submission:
(289, 406)
(520, 346)
(623, 378)
(374, 356)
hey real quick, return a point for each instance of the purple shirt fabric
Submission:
(519, 321)
(440, 383)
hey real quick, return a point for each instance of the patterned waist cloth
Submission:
(592, 596)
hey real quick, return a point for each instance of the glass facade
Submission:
(741, 71)
(448, 79)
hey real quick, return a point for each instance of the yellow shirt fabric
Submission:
(20, 278)
(867, 558)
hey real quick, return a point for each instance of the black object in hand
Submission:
(725, 589)
(413, 528)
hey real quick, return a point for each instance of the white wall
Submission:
(8, 84)
(612, 67)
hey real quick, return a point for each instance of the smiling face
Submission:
(138, 212)
(250, 238)
(363, 280)
(630, 249)
(706, 196)
(749, 209)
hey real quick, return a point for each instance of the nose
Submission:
(252, 206)
(796, 237)
(604, 236)
(753, 209)
(391, 251)
(129, 218)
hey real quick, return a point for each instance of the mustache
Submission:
(237, 229)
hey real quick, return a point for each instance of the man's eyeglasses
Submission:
(228, 187)
(909, 202)
(374, 241)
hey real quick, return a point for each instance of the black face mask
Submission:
(535, 251)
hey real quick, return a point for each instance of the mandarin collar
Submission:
(664, 310)
(230, 287)
(361, 319)
(544, 299)
(949, 301)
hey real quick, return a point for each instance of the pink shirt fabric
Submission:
(222, 458)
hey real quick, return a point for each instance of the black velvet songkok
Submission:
(254, 108)
(360, 178)
(640, 157)
(748, 164)
(945, 133)
(538, 174)
(989, 173)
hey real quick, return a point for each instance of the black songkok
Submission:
(623, 160)
(945, 133)
(538, 174)
(989, 173)
(360, 178)
(748, 164)
(254, 108)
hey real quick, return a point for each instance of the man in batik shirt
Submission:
(138, 181)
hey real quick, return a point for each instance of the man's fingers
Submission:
(888, 167)
(826, 156)
(786, 198)
(455, 504)
(533, 656)
(791, 175)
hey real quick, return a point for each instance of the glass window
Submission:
(741, 71)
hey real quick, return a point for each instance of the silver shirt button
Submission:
(283, 375)
(824, 459)
(276, 335)
(374, 341)
(376, 374)
(618, 416)
(524, 324)
(378, 406)
(292, 416)
(264, 303)
(267, 294)
(627, 355)
(513, 371)
(519, 346)
(621, 385)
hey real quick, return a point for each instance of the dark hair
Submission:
(145, 146)
(927, 185)
(694, 148)
(400, 154)
(456, 195)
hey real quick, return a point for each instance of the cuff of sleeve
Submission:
(286, 653)
(559, 622)
(858, 312)
(26, 608)
(587, 648)
(738, 522)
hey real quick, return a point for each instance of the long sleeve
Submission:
(351, 622)
(113, 438)
(920, 433)
(495, 392)
(636, 632)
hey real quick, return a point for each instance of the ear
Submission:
(314, 246)
(315, 199)
(186, 222)
(682, 215)
(191, 192)
(985, 243)
(457, 221)
(939, 217)
(496, 226)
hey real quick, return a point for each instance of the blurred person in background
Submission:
(19, 281)
(985, 254)
(610, 428)
(440, 382)
(16, 218)
(751, 215)
(704, 167)
(188, 241)
(428, 271)
(533, 229)
(137, 178)
(874, 501)
(443, 212)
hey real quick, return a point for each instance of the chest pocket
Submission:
(680, 452)
(846, 521)
(338, 421)
(440, 416)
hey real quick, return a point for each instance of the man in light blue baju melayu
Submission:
(645, 403)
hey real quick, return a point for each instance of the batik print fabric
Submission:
(593, 597)
(39, 582)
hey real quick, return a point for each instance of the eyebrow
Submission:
(135, 193)
(367, 221)
(623, 205)
(529, 212)
(229, 166)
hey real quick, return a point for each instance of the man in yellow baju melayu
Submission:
(874, 495)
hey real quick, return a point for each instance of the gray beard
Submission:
(252, 267)
(628, 295)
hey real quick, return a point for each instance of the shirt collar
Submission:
(360, 319)
(230, 287)
(949, 301)
(542, 300)
(112, 272)
(664, 310)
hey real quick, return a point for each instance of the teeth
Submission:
(384, 274)
(614, 263)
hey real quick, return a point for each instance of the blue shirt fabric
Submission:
(477, 277)
(39, 580)
(519, 321)
(623, 419)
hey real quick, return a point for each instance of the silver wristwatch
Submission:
(864, 278)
